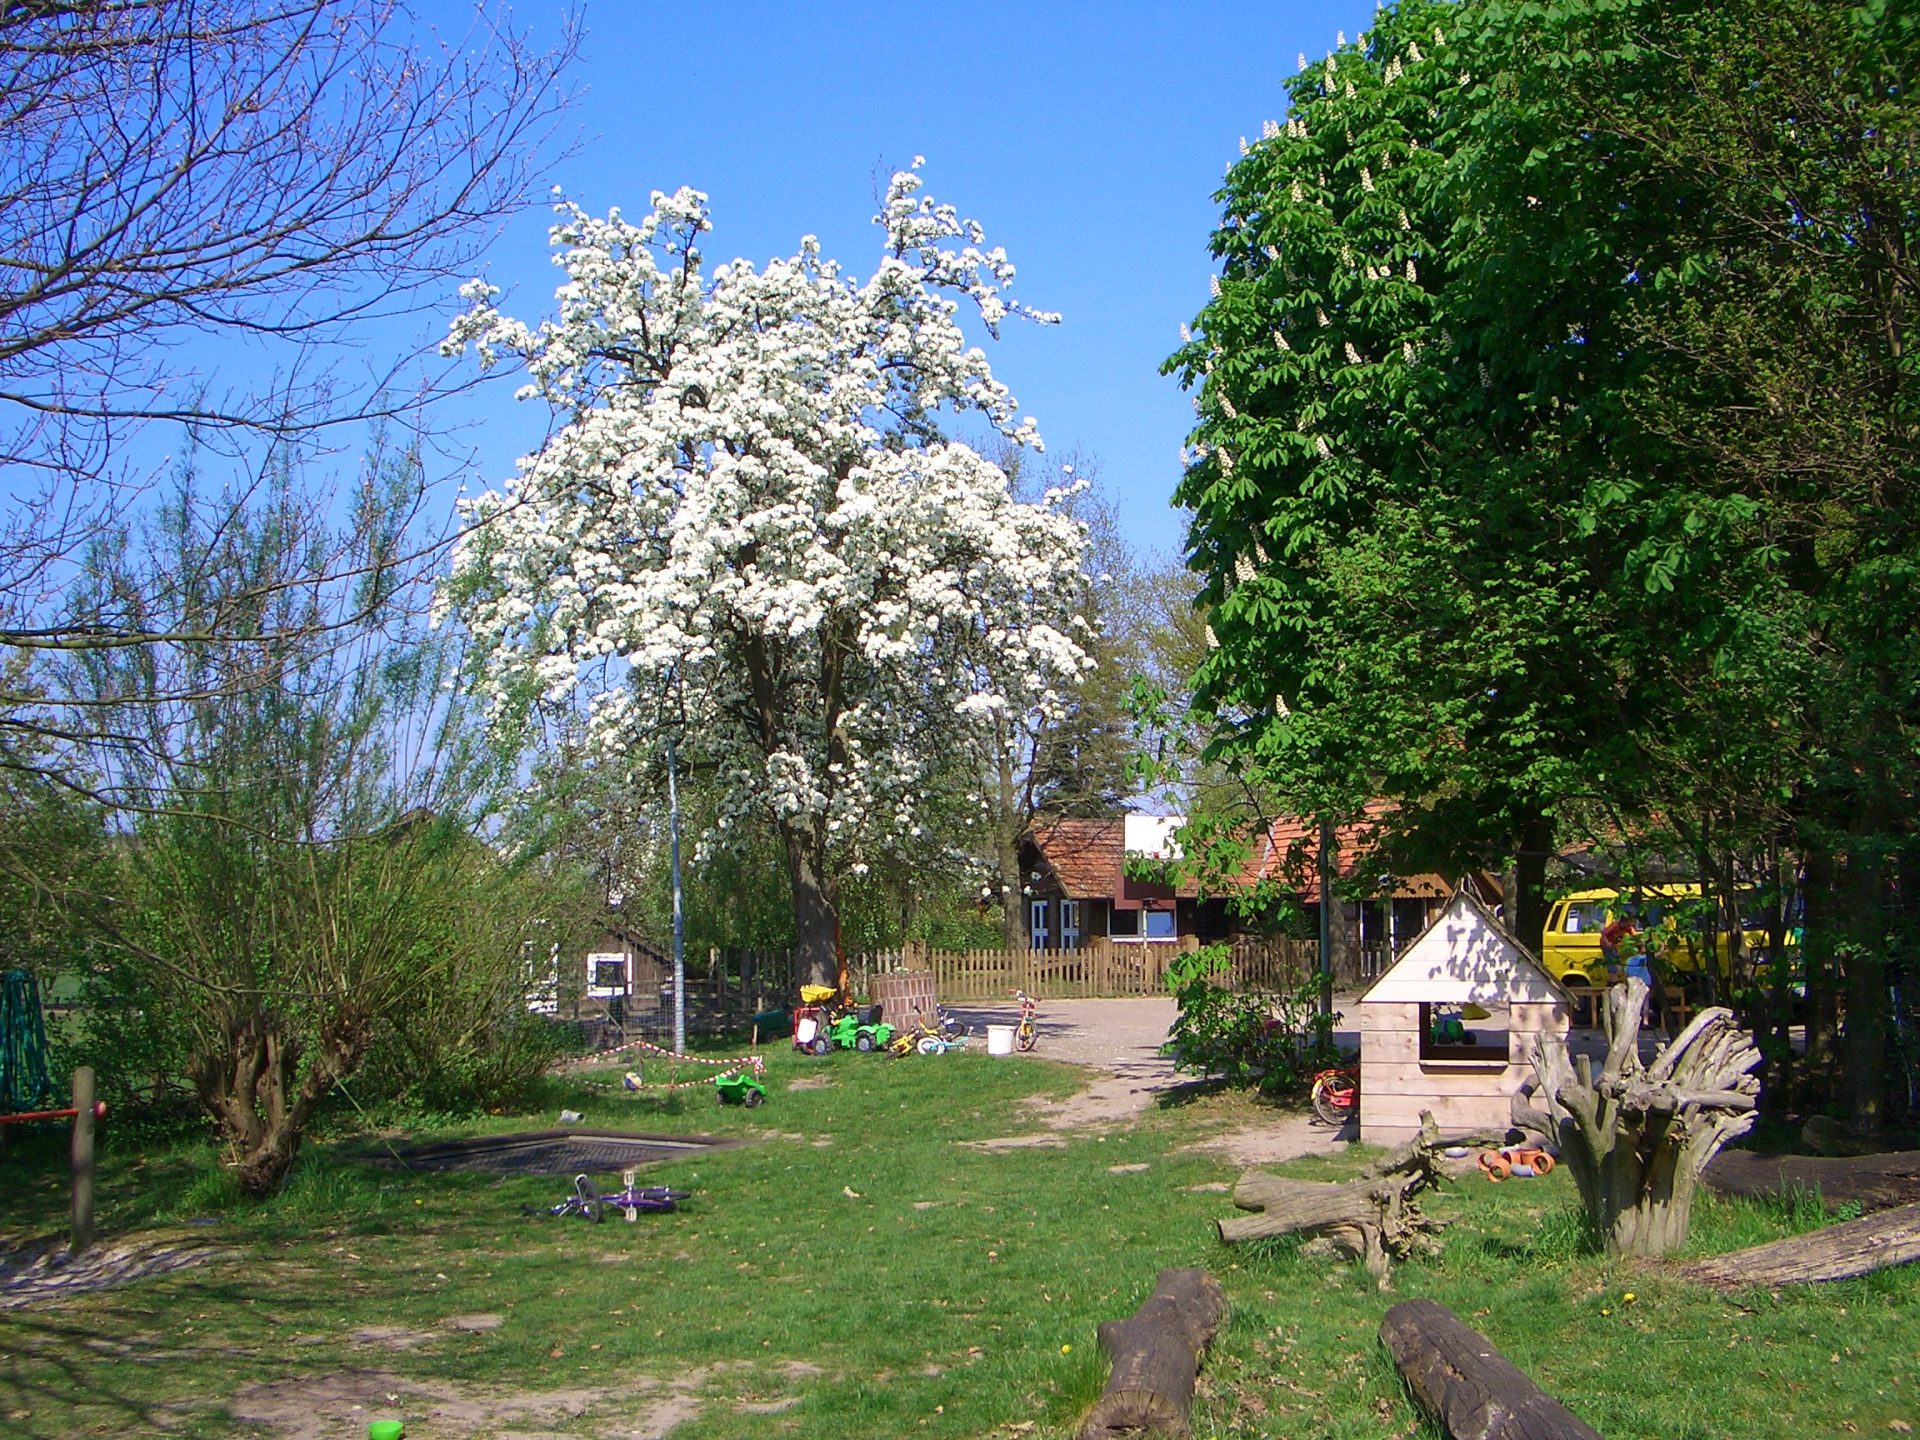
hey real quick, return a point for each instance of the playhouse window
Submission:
(610, 974)
(1448, 1035)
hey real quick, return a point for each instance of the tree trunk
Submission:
(1840, 1252)
(1773, 1020)
(1527, 906)
(1156, 1356)
(1817, 953)
(260, 1097)
(1636, 1137)
(816, 951)
(1864, 1044)
(1013, 917)
(1471, 1390)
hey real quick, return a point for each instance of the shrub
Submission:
(1274, 1041)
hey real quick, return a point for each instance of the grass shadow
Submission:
(1189, 1092)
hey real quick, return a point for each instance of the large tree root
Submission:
(1375, 1219)
(1839, 1252)
(1470, 1389)
(1156, 1356)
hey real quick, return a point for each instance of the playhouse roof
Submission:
(1464, 955)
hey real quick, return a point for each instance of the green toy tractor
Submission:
(851, 1032)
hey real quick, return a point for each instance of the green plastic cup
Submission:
(385, 1429)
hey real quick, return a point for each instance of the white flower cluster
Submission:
(744, 529)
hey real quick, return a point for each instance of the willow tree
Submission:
(749, 533)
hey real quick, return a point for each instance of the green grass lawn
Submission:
(862, 1270)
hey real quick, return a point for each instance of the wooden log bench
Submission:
(1468, 1388)
(1156, 1358)
(1839, 1252)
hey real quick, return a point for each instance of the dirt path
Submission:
(1120, 1041)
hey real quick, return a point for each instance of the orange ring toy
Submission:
(1496, 1164)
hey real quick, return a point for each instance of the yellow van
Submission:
(1570, 948)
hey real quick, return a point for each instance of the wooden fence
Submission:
(739, 983)
(727, 988)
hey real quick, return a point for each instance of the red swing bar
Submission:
(99, 1113)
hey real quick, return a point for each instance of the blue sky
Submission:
(1087, 138)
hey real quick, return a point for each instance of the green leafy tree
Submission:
(1396, 603)
(1554, 459)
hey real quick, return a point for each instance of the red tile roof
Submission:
(1088, 858)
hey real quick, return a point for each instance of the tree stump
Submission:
(1471, 1390)
(1839, 1252)
(1156, 1357)
(1634, 1136)
(1375, 1218)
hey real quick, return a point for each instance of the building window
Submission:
(1159, 924)
(1124, 924)
(1069, 924)
(1037, 923)
(609, 974)
(1471, 1034)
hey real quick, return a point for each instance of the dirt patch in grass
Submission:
(44, 1272)
(1286, 1137)
(324, 1407)
(1017, 1142)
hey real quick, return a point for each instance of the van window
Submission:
(1585, 917)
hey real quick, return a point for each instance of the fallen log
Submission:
(1873, 1182)
(1375, 1218)
(1839, 1252)
(1156, 1356)
(1468, 1388)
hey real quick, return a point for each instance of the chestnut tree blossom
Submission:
(749, 530)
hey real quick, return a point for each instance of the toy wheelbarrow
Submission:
(739, 1087)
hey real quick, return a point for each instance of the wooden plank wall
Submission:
(1396, 1084)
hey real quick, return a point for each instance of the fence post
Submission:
(82, 1158)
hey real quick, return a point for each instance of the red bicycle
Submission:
(1336, 1095)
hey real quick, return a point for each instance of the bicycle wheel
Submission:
(1027, 1037)
(1324, 1105)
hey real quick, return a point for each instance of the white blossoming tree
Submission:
(748, 531)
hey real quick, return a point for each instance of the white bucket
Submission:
(999, 1039)
(804, 1032)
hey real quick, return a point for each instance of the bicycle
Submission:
(930, 1039)
(587, 1203)
(1336, 1095)
(1025, 1036)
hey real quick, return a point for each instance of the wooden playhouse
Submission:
(1452, 1026)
